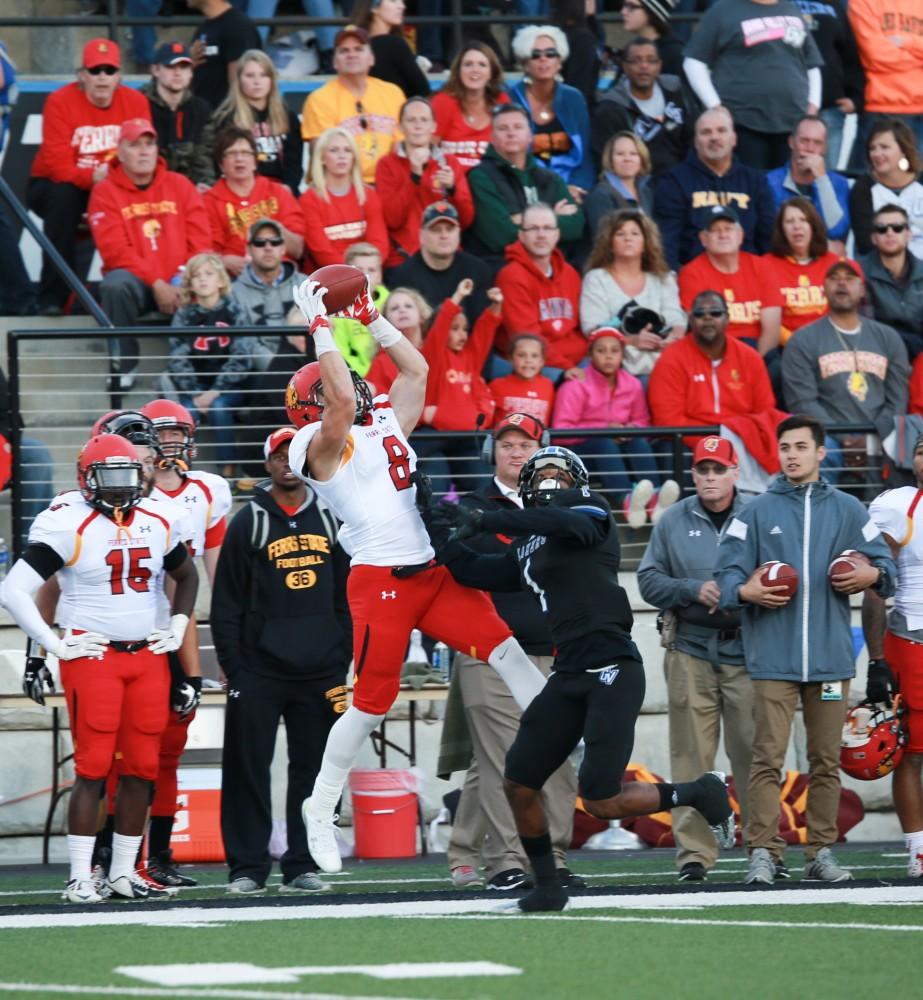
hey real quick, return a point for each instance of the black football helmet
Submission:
(537, 491)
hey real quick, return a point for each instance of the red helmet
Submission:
(874, 738)
(304, 396)
(165, 414)
(109, 474)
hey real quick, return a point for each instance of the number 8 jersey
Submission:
(111, 574)
(371, 492)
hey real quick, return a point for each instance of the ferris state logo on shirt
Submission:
(286, 554)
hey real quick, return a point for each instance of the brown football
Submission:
(776, 573)
(846, 562)
(343, 283)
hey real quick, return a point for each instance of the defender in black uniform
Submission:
(566, 551)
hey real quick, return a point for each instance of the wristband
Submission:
(323, 341)
(386, 334)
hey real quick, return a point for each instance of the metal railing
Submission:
(57, 381)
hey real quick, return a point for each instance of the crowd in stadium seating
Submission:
(510, 222)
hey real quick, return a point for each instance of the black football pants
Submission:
(255, 706)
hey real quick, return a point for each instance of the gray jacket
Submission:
(680, 556)
(899, 307)
(266, 305)
(819, 366)
(810, 638)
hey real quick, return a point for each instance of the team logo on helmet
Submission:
(873, 742)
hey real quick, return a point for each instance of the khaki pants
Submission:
(699, 699)
(484, 831)
(774, 705)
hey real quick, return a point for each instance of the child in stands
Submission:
(355, 342)
(608, 397)
(526, 389)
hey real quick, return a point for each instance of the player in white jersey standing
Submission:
(108, 548)
(353, 451)
(895, 645)
(206, 498)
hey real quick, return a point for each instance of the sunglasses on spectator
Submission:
(895, 227)
(363, 121)
(546, 53)
(108, 70)
(710, 313)
(712, 469)
(267, 241)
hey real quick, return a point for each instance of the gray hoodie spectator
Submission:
(262, 303)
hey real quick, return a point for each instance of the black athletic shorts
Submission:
(600, 705)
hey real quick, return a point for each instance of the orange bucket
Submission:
(384, 813)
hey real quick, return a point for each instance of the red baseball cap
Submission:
(278, 438)
(101, 52)
(846, 264)
(605, 331)
(530, 426)
(715, 449)
(351, 31)
(134, 128)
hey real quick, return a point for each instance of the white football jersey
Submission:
(112, 574)
(899, 513)
(207, 499)
(371, 492)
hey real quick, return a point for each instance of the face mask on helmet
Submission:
(174, 421)
(873, 741)
(109, 475)
(132, 425)
(547, 471)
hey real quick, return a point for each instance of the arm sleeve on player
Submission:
(17, 594)
(586, 524)
(175, 557)
(482, 571)
(43, 559)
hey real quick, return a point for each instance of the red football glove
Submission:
(363, 307)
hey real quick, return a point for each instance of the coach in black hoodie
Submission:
(281, 626)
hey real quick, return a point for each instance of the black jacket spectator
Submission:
(181, 134)
(437, 286)
(217, 44)
(395, 63)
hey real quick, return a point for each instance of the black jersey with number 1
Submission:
(567, 554)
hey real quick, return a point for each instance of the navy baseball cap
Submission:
(717, 212)
(172, 54)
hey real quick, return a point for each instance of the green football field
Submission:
(398, 929)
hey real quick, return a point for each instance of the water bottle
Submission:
(4, 558)
(442, 661)
(415, 651)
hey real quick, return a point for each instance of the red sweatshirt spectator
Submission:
(456, 394)
(80, 132)
(242, 197)
(526, 390)
(707, 376)
(147, 221)
(541, 291)
(338, 208)
(415, 174)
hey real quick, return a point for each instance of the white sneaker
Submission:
(915, 865)
(322, 840)
(81, 891)
(101, 881)
(636, 511)
(667, 495)
(133, 886)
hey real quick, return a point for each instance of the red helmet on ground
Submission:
(304, 399)
(109, 474)
(166, 414)
(874, 738)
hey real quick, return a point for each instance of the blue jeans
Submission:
(313, 8)
(36, 486)
(16, 292)
(143, 37)
(220, 417)
(619, 466)
(835, 121)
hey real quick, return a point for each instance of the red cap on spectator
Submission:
(848, 264)
(351, 31)
(278, 438)
(605, 331)
(530, 426)
(101, 52)
(134, 128)
(715, 449)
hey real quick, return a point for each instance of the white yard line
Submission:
(62, 989)
(110, 915)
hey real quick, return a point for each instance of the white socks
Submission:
(914, 842)
(124, 855)
(80, 852)
(345, 741)
(521, 675)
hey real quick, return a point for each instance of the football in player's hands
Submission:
(309, 297)
(342, 284)
(363, 307)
